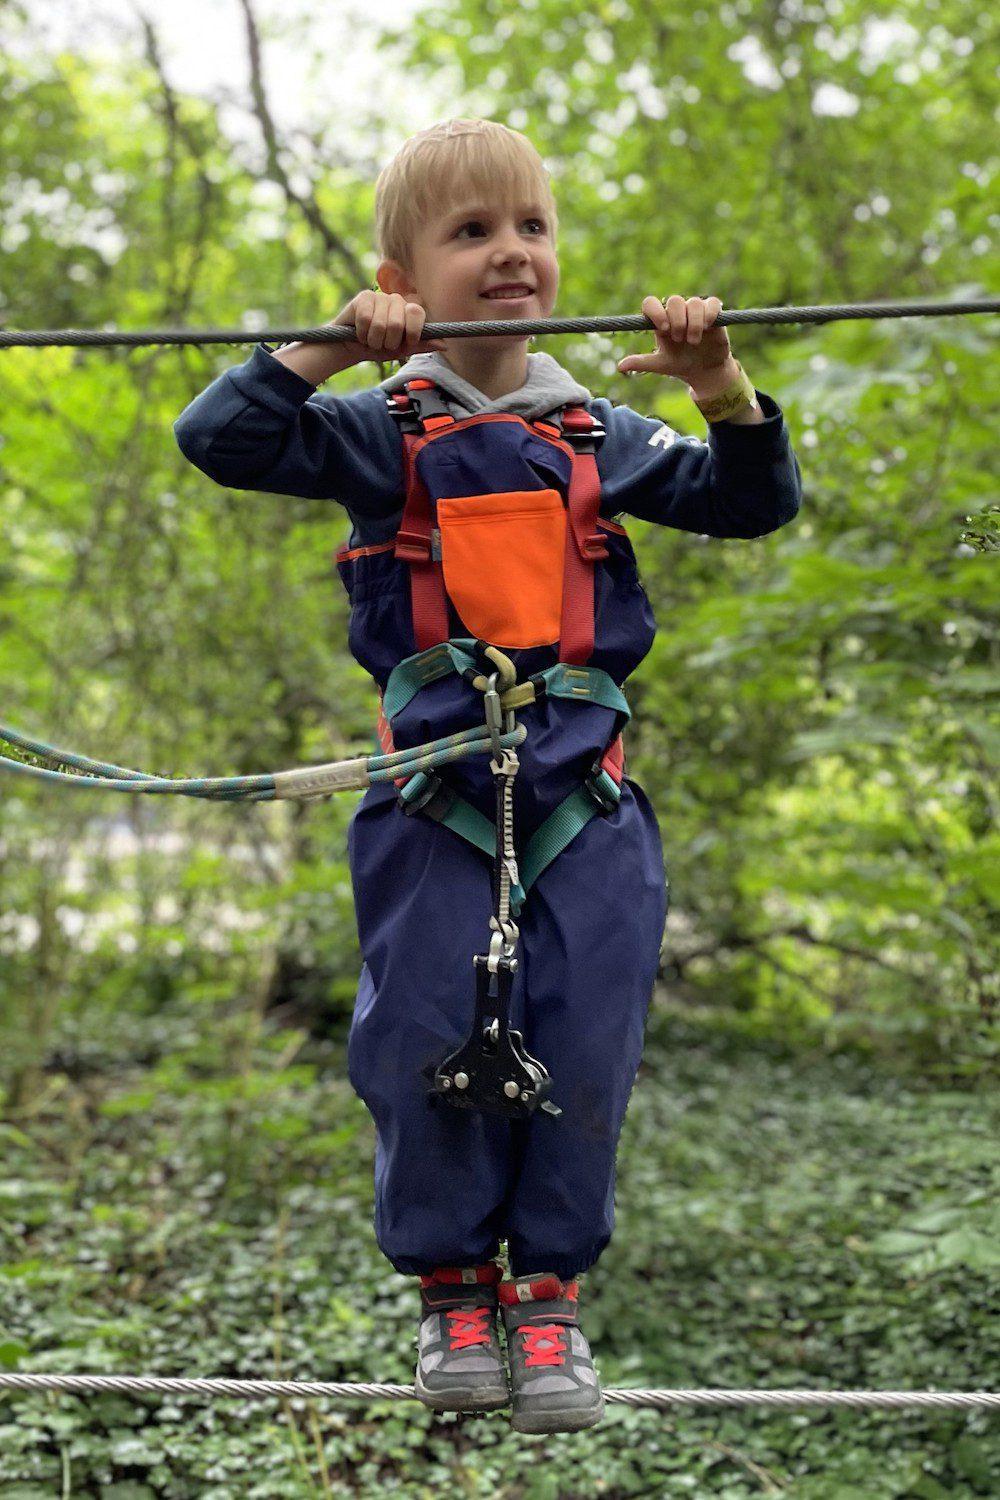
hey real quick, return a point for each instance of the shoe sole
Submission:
(541, 1422)
(457, 1401)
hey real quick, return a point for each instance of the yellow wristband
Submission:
(734, 398)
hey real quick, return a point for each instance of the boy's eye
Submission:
(478, 224)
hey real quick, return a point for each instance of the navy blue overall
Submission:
(452, 1184)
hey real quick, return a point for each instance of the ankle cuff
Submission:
(487, 1275)
(540, 1286)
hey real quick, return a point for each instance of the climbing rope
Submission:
(305, 783)
(626, 323)
(140, 1385)
(496, 737)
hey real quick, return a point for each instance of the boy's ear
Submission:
(392, 278)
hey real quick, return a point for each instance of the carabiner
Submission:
(494, 721)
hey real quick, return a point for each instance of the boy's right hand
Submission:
(387, 327)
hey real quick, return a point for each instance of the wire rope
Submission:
(109, 337)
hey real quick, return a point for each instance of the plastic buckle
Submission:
(404, 415)
(584, 439)
(435, 797)
(599, 784)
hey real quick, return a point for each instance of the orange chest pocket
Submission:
(503, 558)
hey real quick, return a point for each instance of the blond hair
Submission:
(437, 168)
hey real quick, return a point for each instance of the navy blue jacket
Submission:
(260, 426)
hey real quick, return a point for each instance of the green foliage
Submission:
(179, 1219)
(985, 533)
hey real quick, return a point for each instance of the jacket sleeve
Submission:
(260, 426)
(744, 481)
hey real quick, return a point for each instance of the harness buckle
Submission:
(582, 431)
(402, 412)
(604, 789)
(425, 792)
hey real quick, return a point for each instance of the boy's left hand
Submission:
(688, 344)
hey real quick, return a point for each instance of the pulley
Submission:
(492, 1071)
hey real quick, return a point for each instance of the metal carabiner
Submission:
(494, 723)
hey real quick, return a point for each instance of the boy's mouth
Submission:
(499, 295)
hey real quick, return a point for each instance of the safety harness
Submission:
(420, 412)
(492, 1071)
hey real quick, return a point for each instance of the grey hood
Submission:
(548, 385)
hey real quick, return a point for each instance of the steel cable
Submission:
(137, 1385)
(626, 323)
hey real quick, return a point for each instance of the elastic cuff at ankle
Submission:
(488, 1275)
(540, 1286)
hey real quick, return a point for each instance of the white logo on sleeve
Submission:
(666, 437)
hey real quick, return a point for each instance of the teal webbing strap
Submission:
(559, 829)
(409, 676)
(586, 684)
(463, 819)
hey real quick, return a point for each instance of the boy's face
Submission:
(464, 252)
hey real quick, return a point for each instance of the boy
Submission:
(477, 437)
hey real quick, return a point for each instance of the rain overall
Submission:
(500, 543)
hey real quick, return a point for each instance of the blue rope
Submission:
(355, 774)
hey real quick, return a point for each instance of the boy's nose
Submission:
(512, 262)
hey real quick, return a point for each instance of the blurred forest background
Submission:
(807, 1186)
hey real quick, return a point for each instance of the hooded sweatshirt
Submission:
(261, 426)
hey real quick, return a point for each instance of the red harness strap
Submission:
(414, 545)
(585, 545)
(613, 759)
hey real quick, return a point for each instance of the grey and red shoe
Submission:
(460, 1365)
(554, 1383)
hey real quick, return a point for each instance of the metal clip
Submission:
(494, 720)
(503, 942)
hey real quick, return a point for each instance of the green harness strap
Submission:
(425, 792)
(457, 655)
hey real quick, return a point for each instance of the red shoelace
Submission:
(467, 1326)
(544, 1344)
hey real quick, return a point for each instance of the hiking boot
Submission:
(553, 1381)
(460, 1365)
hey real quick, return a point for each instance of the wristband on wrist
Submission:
(734, 398)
